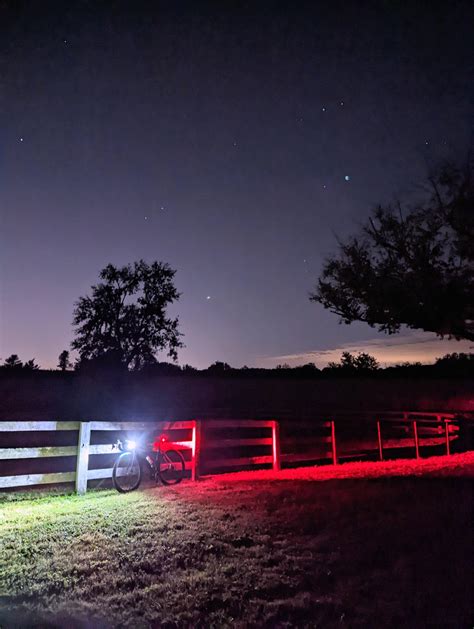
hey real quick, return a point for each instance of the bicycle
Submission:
(164, 464)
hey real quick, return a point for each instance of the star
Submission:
(347, 178)
(208, 297)
(146, 218)
(342, 103)
(21, 139)
(323, 109)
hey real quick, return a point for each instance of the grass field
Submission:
(328, 547)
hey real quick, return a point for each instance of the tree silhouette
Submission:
(13, 362)
(30, 365)
(361, 362)
(413, 268)
(456, 364)
(219, 367)
(124, 320)
(64, 362)
(455, 359)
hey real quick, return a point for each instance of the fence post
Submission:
(446, 432)
(276, 445)
(333, 443)
(379, 437)
(196, 451)
(82, 465)
(415, 434)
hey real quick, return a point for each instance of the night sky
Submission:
(233, 143)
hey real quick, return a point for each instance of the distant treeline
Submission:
(350, 365)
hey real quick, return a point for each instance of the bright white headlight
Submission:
(131, 445)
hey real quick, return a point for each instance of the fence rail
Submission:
(221, 444)
(231, 451)
(83, 450)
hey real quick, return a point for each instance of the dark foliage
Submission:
(13, 363)
(124, 322)
(219, 367)
(413, 268)
(456, 365)
(64, 361)
(362, 363)
(110, 363)
(31, 365)
(163, 369)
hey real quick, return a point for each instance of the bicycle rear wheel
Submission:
(127, 472)
(170, 467)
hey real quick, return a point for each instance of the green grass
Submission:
(339, 553)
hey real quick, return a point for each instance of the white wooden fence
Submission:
(202, 437)
(84, 449)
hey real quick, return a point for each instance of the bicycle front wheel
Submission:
(127, 472)
(170, 467)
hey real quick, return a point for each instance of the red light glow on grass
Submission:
(452, 465)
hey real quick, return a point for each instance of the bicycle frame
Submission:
(158, 450)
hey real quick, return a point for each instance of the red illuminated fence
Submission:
(82, 451)
(238, 443)
(305, 441)
(417, 431)
(386, 435)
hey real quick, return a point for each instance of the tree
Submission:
(64, 362)
(366, 362)
(13, 362)
(413, 268)
(110, 362)
(361, 362)
(219, 367)
(30, 365)
(308, 369)
(124, 320)
(456, 364)
(455, 359)
(162, 369)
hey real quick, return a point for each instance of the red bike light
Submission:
(159, 441)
